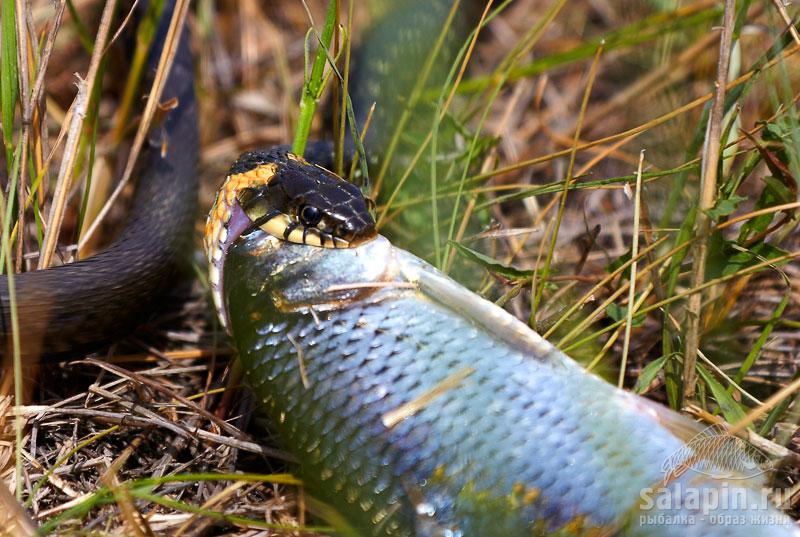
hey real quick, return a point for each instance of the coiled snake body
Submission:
(83, 305)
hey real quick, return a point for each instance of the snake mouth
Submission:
(283, 226)
(289, 199)
(220, 236)
(239, 224)
(302, 223)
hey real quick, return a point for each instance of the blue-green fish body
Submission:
(417, 408)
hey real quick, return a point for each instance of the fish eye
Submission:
(310, 215)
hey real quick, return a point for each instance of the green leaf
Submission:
(493, 265)
(755, 351)
(725, 207)
(620, 313)
(727, 258)
(649, 373)
(618, 262)
(8, 71)
(757, 254)
(773, 132)
(732, 410)
(775, 193)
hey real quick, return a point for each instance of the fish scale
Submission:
(411, 416)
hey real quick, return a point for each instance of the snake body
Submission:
(80, 306)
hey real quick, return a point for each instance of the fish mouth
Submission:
(300, 276)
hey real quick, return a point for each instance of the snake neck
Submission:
(226, 221)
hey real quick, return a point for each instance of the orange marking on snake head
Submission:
(218, 237)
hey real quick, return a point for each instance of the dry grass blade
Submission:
(395, 416)
(781, 7)
(64, 182)
(176, 25)
(637, 205)
(662, 77)
(214, 501)
(768, 405)
(752, 269)
(168, 391)
(660, 120)
(24, 61)
(708, 191)
(413, 98)
(14, 521)
(424, 145)
(38, 86)
(562, 199)
(134, 523)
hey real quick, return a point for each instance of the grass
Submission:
(312, 88)
(528, 141)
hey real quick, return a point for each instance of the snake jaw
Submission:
(283, 226)
(226, 222)
(270, 191)
(224, 235)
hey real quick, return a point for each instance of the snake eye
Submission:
(310, 215)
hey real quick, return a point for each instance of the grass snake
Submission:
(80, 306)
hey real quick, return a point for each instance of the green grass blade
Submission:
(312, 89)
(9, 90)
(637, 33)
(6, 207)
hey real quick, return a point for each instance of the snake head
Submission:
(291, 200)
(304, 203)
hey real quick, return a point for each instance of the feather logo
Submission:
(716, 453)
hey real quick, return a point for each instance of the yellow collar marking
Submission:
(216, 231)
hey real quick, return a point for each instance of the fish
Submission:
(414, 407)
